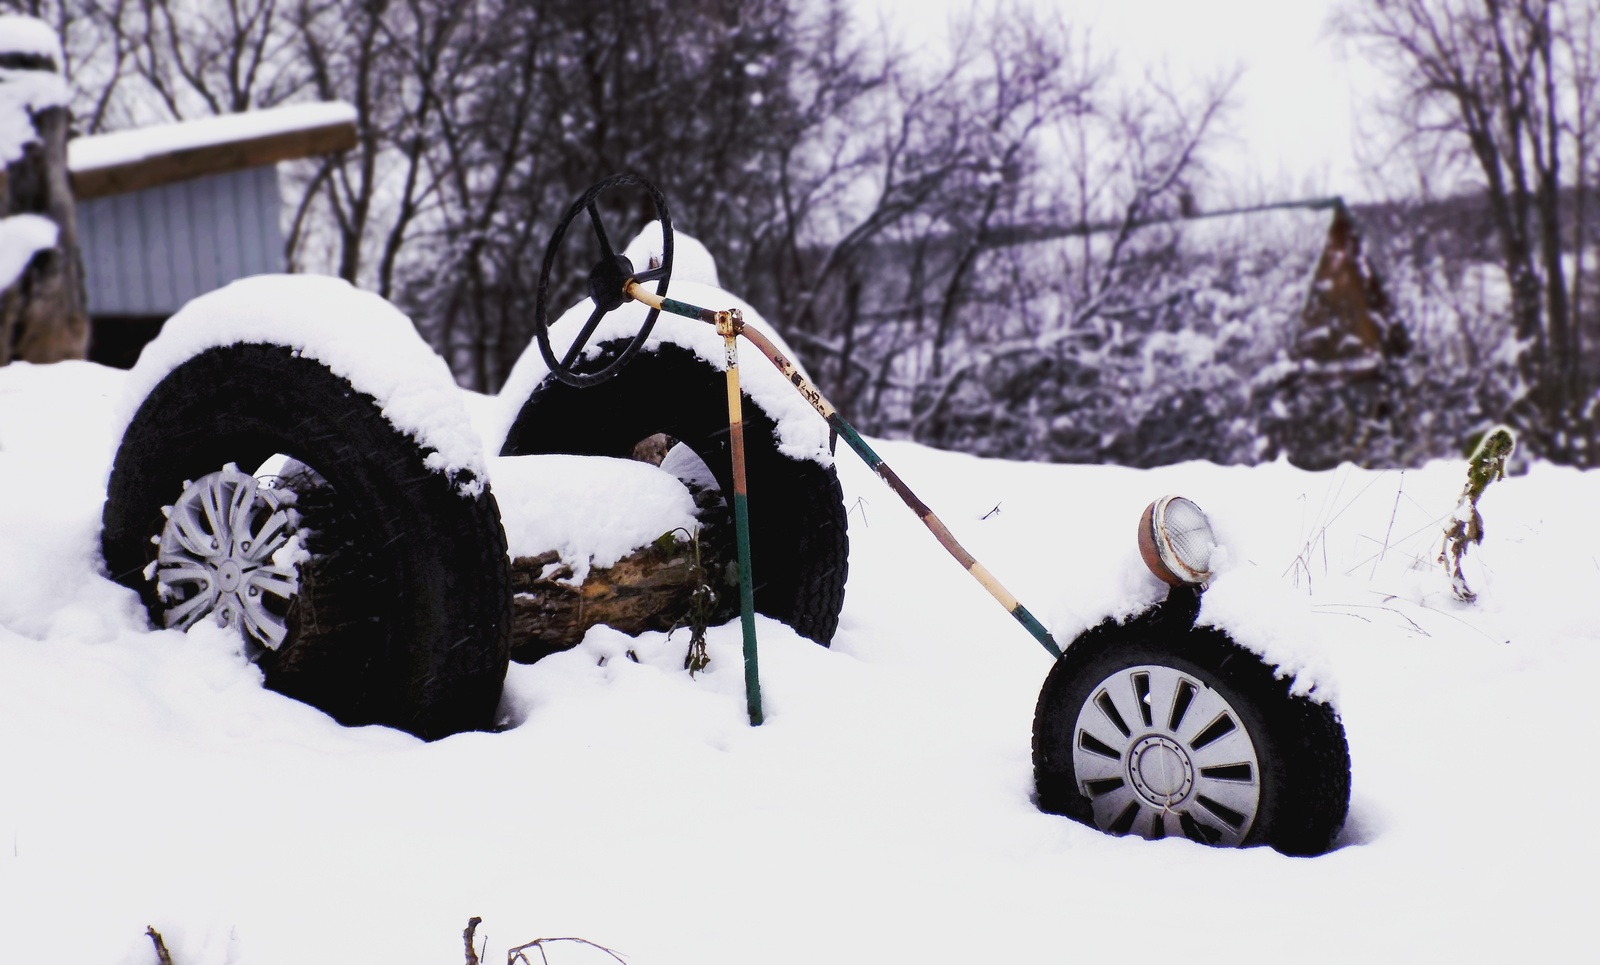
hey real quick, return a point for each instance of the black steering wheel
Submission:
(607, 284)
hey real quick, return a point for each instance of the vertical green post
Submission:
(747, 611)
(729, 324)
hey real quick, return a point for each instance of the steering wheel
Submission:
(607, 284)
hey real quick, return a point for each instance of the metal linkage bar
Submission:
(853, 439)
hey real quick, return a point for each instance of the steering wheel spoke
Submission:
(600, 232)
(607, 283)
(579, 343)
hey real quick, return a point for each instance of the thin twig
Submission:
(1478, 630)
(162, 955)
(1360, 606)
(512, 954)
(1393, 510)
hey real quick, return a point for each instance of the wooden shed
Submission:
(171, 211)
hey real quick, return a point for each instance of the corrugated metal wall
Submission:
(148, 252)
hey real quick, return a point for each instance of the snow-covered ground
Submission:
(882, 814)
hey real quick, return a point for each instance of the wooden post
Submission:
(43, 315)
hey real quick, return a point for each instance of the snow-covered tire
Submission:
(402, 615)
(1156, 727)
(798, 543)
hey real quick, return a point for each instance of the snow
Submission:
(691, 261)
(592, 510)
(24, 93)
(21, 34)
(21, 237)
(125, 147)
(354, 333)
(882, 813)
(801, 435)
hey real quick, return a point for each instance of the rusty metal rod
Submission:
(853, 439)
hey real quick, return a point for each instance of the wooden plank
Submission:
(182, 165)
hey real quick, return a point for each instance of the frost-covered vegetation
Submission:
(973, 246)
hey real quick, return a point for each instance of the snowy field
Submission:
(883, 812)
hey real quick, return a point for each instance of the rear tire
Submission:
(402, 614)
(799, 547)
(1158, 728)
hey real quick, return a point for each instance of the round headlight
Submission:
(1176, 541)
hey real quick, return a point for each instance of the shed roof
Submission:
(161, 154)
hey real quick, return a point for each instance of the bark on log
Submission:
(43, 314)
(651, 589)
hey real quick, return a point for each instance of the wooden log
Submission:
(651, 589)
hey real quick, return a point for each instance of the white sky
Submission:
(1296, 102)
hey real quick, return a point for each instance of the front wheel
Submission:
(1157, 728)
(362, 581)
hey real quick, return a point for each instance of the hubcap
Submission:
(220, 555)
(1158, 752)
(1161, 771)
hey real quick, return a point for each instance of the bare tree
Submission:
(571, 92)
(1505, 91)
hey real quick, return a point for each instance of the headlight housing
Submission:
(1176, 541)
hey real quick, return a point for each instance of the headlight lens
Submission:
(1176, 541)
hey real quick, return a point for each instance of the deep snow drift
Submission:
(882, 814)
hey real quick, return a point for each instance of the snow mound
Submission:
(593, 510)
(691, 261)
(802, 434)
(21, 34)
(151, 781)
(356, 334)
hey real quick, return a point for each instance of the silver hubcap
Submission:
(222, 554)
(1157, 752)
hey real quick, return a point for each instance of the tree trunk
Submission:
(43, 317)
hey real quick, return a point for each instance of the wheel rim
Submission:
(1159, 753)
(228, 550)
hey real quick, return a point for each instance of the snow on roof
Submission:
(29, 35)
(1301, 230)
(356, 334)
(131, 146)
(1296, 228)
